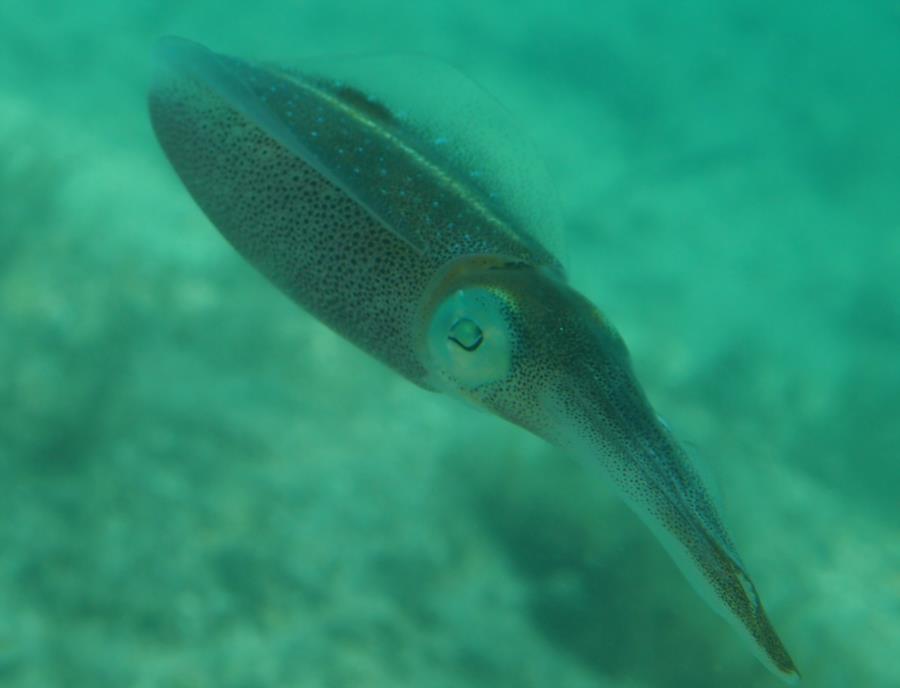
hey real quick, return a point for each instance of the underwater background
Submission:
(203, 486)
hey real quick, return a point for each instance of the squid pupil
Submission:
(466, 334)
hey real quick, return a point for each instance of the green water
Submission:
(203, 486)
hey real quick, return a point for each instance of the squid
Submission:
(393, 199)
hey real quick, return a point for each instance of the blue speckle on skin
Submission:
(314, 134)
(440, 141)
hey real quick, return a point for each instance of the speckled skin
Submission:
(341, 256)
(571, 382)
(307, 235)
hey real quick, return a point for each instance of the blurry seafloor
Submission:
(202, 486)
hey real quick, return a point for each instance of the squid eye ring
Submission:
(470, 339)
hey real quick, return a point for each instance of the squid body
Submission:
(392, 198)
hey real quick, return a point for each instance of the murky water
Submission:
(203, 486)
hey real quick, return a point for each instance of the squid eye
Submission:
(466, 334)
(470, 339)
